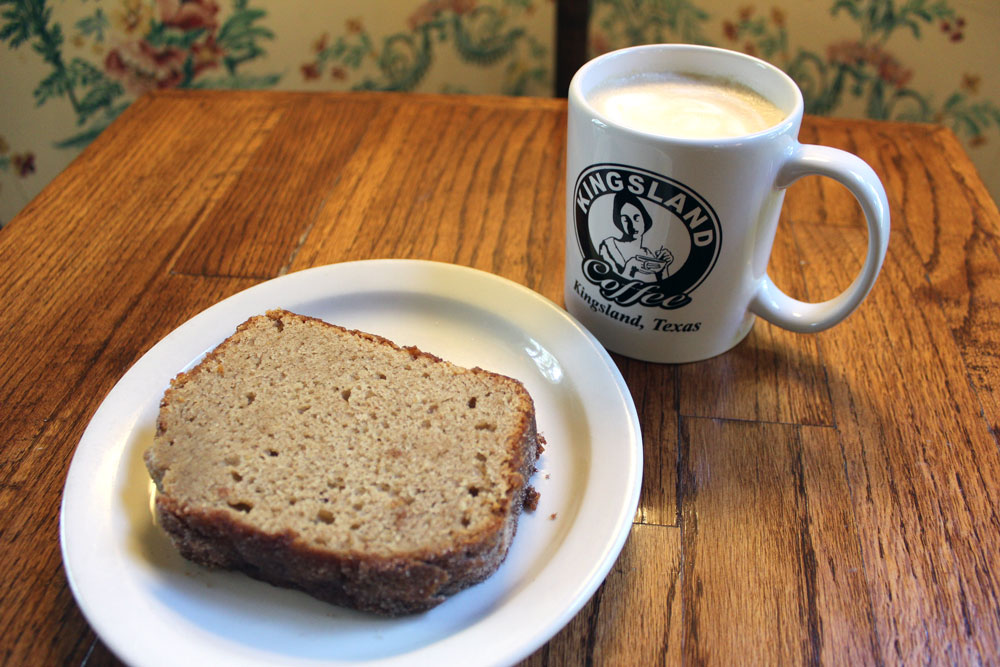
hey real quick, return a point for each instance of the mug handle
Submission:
(777, 307)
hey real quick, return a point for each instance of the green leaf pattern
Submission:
(181, 46)
(861, 69)
(146, 44)
(481, 33)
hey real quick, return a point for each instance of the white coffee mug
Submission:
(689, 283)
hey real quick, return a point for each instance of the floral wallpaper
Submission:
(72, 66)
(904, 60)
(69, 67)
(139, 47)
(478, 33)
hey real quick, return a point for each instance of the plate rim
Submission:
(230, 307)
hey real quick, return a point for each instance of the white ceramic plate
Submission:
(151, 607)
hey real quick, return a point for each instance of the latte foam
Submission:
(685, 106)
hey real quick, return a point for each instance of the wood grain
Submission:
(495, 201)
(774, 375)
(635, 616)
(923, 465)
(654, 391)
(769, 548)
(31, 486)
(279, 182)
(958, 243)
(829, 498)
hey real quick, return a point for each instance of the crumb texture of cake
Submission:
(335, 462)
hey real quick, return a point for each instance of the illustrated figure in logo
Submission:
(628, 253)
(644, 238)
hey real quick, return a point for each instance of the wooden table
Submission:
(828, 497)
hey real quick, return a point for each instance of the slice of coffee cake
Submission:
(335, 462)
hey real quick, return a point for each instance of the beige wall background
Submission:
(69, 67)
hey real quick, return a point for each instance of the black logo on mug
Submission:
(646, 239)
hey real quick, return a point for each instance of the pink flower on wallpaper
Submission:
(206, 54)
(856, 54)
(321, 43)
(892, 72)
(971, 82)
(954, 29)
(188, 14)
(730, 31)
(24, 163)
(310, 71)
(846, 53)
(428, 11)
(143, 68)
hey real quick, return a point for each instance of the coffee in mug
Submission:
(684, 105)
(678, 157)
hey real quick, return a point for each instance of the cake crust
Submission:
(257, 478)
